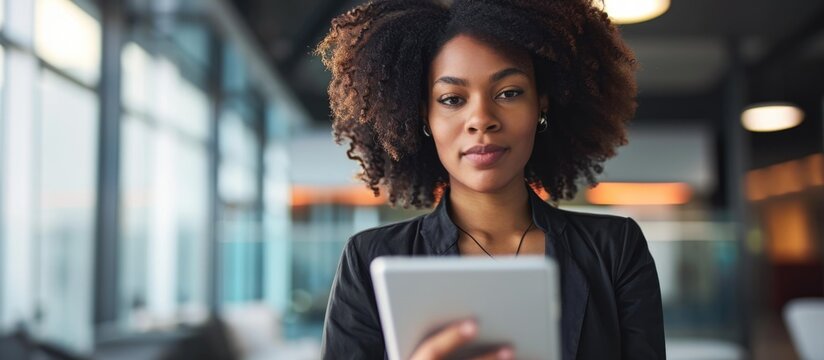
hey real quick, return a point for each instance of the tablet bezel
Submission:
(457, 278)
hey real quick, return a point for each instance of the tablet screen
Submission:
(515, 301)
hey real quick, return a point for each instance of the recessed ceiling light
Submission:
(772, 116)
(634, 11)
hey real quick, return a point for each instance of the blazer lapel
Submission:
(574, 285)
(439, 233)
(574, 297)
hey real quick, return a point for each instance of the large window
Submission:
(68, 37)
(67, 170)
(50, 125)
(18, 236)
(164, 197)
(241, 245)
(187, 179)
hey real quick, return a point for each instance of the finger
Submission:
(501, 354)
(447, 340)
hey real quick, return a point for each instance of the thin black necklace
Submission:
(487, 252)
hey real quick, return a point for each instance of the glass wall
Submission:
(239, 145)
(66, 177)
(50, 124)
(180, 77)
(202, 187)
(164, 192)
(240, 242)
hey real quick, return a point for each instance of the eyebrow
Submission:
(494, 78)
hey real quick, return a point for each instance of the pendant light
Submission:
(771, 116)
(634, 11)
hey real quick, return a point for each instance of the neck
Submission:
(490, 215)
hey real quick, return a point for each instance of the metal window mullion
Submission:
(108, 177)
(260, 129)
(736, 146)
(215, 93)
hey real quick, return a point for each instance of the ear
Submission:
(424, 113)
(544, 100)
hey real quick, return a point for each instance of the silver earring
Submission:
(543, 124)
(426, 133)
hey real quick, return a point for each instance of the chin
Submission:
(486, 182)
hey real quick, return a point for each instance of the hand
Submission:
(445, 342)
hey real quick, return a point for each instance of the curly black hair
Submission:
(379, 55)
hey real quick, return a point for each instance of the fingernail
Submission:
(506, 354)
(468, 328)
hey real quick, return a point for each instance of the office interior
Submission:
(170, 188)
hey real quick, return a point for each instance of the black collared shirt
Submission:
(610, 296)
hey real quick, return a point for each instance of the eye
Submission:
(450, 100)
(508, 94)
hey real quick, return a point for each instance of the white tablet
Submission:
(515, 301)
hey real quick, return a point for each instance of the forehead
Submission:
(465, 56)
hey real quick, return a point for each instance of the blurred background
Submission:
(169, 188)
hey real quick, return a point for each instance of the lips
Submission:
(484, 155)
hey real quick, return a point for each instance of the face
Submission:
(483, 111)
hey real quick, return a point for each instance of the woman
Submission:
(473, 105)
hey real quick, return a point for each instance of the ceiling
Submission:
(685, 55)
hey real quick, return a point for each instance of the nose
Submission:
(482, 118)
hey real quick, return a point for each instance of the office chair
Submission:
(805, 321)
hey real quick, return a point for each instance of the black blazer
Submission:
(611, 299)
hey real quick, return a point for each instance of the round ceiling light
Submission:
(772, 116)
(634, 11)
